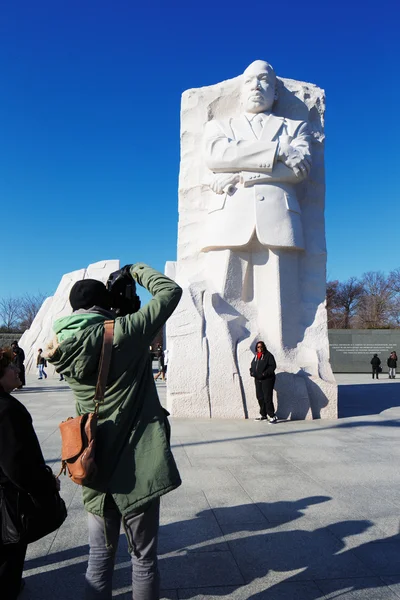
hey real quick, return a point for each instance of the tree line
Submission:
(369, 302)
(17, 314)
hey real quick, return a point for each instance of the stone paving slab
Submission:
(306, 510)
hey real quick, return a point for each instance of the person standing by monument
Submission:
(135, 465)
(392, 364)
(18, 358)
(166, 359)
(161, 363)
(376, 366)
(262, 369)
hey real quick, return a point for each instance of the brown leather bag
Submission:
(78, 435)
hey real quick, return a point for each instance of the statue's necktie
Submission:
(257, 125)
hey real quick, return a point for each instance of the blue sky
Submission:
(89, 123)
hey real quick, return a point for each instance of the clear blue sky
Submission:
(89, 123)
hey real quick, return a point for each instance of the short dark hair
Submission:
(5, 359)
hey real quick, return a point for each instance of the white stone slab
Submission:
(41, 330)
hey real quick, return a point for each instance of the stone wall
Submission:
(351, 350)
(7, 338)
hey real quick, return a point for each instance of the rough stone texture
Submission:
(54, 307)
(210, 338)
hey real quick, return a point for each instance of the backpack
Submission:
(78, 434)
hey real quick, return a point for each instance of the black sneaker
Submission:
(260, 419)
(272, 420)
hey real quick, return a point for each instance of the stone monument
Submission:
(41, 330)
(251, 249)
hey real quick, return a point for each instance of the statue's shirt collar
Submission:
(251, 116)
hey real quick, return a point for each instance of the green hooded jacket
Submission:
(133, 456)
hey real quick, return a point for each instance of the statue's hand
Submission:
(222, 182)
(294, 159)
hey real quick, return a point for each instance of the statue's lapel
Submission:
(241, 128)
(271, 128)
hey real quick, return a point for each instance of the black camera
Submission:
(122, 289)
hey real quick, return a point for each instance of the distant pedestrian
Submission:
(166, 358)
(41, 364)
(376, 366)
(392, 364)
(18, 360)
(161, 364)
(262, 369)
(61, 377)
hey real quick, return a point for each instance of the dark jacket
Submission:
(21, 459)
(391, 363)
(160, 358)
(133, 456)
(20, 356)
(263, 368)
(375, 362)
(19, 362)
(41, 360)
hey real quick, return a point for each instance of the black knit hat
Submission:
(87, 293)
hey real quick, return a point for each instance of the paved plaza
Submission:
(304, 510)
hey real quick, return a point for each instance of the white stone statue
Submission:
(258, 159)
(251, 249)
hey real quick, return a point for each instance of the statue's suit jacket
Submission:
(265, 200)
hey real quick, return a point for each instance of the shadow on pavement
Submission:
(250, 549)
(367, 399)
(40, 390)
(280, 431)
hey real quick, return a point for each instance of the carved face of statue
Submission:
(258, 87)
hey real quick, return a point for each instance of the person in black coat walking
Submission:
(21, 466)
(262, 369)
(375, 362)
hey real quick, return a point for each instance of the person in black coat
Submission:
(375, 362)
(262, 369)
(392, 364)
(21, 466)
(18, 359)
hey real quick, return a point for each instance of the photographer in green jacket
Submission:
(133, 455)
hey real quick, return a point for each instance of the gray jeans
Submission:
(141, 530)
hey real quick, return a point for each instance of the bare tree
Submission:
(9, 312)
(343, 300)
(29, 307)
(331, 304)
(378, 301)
(394, 279)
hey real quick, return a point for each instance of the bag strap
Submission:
(104, 365)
